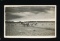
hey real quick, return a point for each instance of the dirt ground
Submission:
(16, 29)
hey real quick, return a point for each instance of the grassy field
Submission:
(16, 29)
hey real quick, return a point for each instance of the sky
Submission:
(30, 13)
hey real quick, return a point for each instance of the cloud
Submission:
(10, 16)
(28, 9)
(31, 13)
(28, 16)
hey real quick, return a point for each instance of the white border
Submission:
(30, 36)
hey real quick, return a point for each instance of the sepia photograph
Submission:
(30, 21)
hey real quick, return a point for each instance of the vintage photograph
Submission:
(30, 21)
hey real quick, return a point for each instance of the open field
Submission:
(17, 29)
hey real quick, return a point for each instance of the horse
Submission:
(28, 24)
(25, 24)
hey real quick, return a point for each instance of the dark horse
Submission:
(25, 24)
(28, 24)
